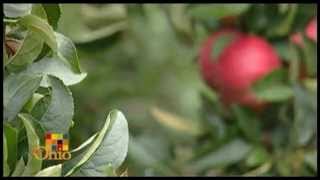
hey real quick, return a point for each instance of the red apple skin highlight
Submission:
(206, 61)
(296, 38)
(311, 30)
(246, 59)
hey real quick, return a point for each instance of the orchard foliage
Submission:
(144, 58)
(40, 64)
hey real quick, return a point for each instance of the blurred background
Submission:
(142, 60)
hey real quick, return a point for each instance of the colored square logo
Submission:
(56, 142)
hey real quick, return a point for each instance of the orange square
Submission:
(48, 141)
(53, 141)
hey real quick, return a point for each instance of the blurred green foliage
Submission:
(141, 59)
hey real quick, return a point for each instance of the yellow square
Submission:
(54, 136)
(59, 136)
(65, 147)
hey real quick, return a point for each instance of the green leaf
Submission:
(283, 8)
(41, 107)
(295, 62)
(272, 87)
(34, 164)
(110, 171)
(12, 137)
(68, 52)
(33, 101)
(110, 146)
(275, 76)
(104, 32)
(310, 56)
(29, 49)
(53, 14)
(16, 10)
(247, 123)
(52, 171)
(55, 67)
(257, 157)
(80, 32)
(218, 11)
(304, 14)
(180, 21)
(260, 171)
(84, 145)
(6, 169)
(276, 93)
(305, 117)
(283, 26)
(256, 19)
(49, 12)
(20, 166)
(150, 152)
(311, 84)
(108, 13)
(284, 50)
(39, 11)
(42, 28)
(311, 159)
(230, 153)
(220, 43)
(112, 150)
(17, 90)
(59, 114)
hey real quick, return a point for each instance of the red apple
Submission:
(311, 30)
(244, 60)
(296, 39)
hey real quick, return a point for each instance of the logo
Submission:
(56, 147)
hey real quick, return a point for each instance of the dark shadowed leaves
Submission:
(53, 14)
(305, 121)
